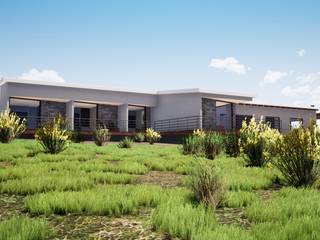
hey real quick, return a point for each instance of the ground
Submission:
(90, 192)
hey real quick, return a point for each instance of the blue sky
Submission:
(270, 49)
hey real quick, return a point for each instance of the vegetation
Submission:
(207, 185)
(152, 136)
(125, 143)
(101, 136)
(204, 144)
(24, 228)
(86, 192)
(54, 136)
(139, 137)
(11, 126)
(231, 144)
(298, 156)
(257, 142)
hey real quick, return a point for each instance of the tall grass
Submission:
(22, 228)
(107, 200)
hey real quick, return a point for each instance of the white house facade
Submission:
(127, 111)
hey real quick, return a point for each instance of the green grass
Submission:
(104, 200)
(90, 180)
(22, 228)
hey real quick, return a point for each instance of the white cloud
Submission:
(272, 77)
(295, 91)
(44, 75)
(308, 77)
(301, 52)
(229, 64)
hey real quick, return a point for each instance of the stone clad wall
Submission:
(50, 109)
(208, 113)
(108, 115)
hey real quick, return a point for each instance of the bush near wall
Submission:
(11, 126)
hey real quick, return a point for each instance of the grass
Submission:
(22, 228)
(86, 180)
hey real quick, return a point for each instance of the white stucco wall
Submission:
(170, 106)
(4, 98)
(284, 113)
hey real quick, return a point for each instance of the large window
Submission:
(296, 122)
(241, 118)
(273, 121)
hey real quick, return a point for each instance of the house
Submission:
(128, 111)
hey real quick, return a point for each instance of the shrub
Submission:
(231, 145)
(77, 137)
(125, 143)
(101, 136)
(11, 126)
(212, 145)
(54, 136)
(298, 156)
(199, 133)
(207, 185)
(257, 141)
(139, 137)
(192, 145)
(152, 136)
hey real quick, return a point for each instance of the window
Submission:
(273, 121)
(296, 122)
(241, 118)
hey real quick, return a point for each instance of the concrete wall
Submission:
(284, 113)
(79, 94)
(4, 97)
(176, 106)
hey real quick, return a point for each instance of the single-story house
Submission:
(130, 111)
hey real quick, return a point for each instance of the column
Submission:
(123, 118)
(70, 114)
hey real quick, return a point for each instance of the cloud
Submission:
(308, 77)
(44, 75)
(301, 52)
(272, 77)
(295, 91)
(229, 64)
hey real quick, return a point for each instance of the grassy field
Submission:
(90, 192)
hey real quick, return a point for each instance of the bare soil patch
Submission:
(232, 216)
(163, 178)
(5, 164)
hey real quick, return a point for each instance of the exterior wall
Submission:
(208, 113)
(284, 113)
(4, 97)
(52, 109)
(48, 91)
(176, 106)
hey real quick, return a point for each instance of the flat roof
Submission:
(277, 106)
(178, 91)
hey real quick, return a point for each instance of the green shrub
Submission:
(298, 156)
(22, 228)
(231, 145)
(212, 145)
(77, 137)
(152, 136)
(54, 136)
(192, 145)
(139, 137)
(125, 143)
(101, 136)
(11, 126)
(257, 142)
(207, 185)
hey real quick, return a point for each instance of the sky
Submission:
(269, 49)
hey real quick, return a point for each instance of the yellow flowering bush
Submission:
(152, 136)
(54, 135)
(258, 141)
(11, 126)
(199, 133)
